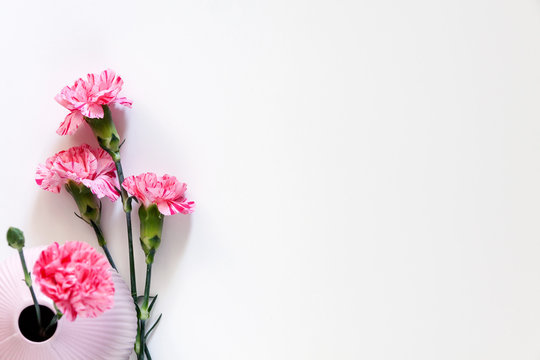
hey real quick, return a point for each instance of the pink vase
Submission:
(108, 337)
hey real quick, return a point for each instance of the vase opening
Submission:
(28, 324)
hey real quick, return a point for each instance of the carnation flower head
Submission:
(86, 98)
(164, 191)
(83, 164)
(76, 278)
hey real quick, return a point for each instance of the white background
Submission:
(367, 173)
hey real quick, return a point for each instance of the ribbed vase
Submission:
(110, 336)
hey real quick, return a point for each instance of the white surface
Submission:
(366, 172)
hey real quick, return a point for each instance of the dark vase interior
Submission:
(29, 327)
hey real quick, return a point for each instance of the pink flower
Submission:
(166, 192)
(86, 97)
(93, 168)
(76, 278)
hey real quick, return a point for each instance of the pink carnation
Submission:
(76, 278)
(86, 97)
(166, 192)
(92, 167)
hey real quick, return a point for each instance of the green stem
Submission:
(109, 140)
(133, 281)
(144, 310)
(54, 320)
(103, 243)
(147, 352)
(141, 341)
(28, 281)
(127, 210)
(147, 286)
(138, 339)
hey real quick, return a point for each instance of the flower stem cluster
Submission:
(91, 174)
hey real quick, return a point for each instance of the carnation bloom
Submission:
(93, 168)
(76, 278)
(87, 97)
(166, 192)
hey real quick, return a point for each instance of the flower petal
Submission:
(83, 164)
(123, 101)
(165, 191)
(47, 179)
(87, 96)
(93, 111)
(77, 278)
(103, 186)
(71, 123)
(175, 207)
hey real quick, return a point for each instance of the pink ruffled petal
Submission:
(83, 164)
(103, 186)
(108, 88)
(71, 123)
(76, 163)
(129, 184)
(165, 208)
(93, 111)
(175, 207)
(47, 179)
(90, 81)
(166, 192)
(105, 163)
(107, 80)
(76, 278)
(64, 102)
(86, 96)
(124, 101)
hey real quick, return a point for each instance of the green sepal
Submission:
(151, 228)
(88, 204)
(152, 252)
(127, 203)
(106, 133)
(145, 314)
(15, 238)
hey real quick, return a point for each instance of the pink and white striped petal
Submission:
(71, 123)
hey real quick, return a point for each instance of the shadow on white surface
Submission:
(119, 117)
(176, 230)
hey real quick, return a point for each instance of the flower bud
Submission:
(15, 238)
(87, 202)
(151, 228)
(106, 133)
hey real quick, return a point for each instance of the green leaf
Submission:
(153, 326)
(152, 303)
